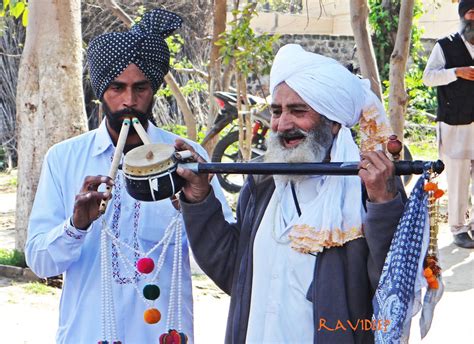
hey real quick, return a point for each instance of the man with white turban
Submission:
(303, 259)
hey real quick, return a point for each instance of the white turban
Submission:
(334, 92)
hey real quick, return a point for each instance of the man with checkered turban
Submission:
(105, 298)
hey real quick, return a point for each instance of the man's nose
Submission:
(129, 98)
(285, 122)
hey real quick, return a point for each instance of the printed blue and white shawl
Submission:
(398, 295)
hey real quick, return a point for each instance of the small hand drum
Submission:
(150, 172)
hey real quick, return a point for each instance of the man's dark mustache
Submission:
(128, 113)
(115, 119)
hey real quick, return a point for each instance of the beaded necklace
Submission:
(138, 269)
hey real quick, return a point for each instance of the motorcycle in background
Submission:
(227, 148)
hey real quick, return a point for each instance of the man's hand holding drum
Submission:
(197, 187)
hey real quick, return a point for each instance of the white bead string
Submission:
(170, 230)
(165, 241)
(174, 227)
(180, 268)
(175, 300)
(117, 242)
(109, 329)
(170, 318)
(103, 293)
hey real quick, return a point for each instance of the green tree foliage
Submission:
(16, 9)
(250, 52)
(383, 19)
(175, 44)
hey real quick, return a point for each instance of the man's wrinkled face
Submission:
(129, 95)
(299, 134)
(467, 26)
(289, 114)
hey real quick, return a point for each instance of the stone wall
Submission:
(340, 48)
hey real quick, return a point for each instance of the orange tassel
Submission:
(434, 284)
(427, 272)
(438, 193)
(430, 186)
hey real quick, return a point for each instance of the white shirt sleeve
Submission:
(52, 244)
(435, 73)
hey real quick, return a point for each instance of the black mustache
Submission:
(128, 112)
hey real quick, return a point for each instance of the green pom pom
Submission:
(151, 292)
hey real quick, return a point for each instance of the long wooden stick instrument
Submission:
(116, 159)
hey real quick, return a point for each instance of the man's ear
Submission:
(335, 128)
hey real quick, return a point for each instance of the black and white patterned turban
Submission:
(144, 45)
(464, 6)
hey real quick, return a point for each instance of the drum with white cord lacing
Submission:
(150, 172)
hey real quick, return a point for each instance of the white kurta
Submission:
(279, 310)
(455, 141)
(54, 247)
(456, 146)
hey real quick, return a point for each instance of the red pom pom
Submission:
(145, 265)
(173, 337)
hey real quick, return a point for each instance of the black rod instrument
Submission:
(402, 167)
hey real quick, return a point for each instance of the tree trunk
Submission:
(215, 84)
(398, 97)
(365, 51)
(245, 123)
(188, 116)
(50, 103)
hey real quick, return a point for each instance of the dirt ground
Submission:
(7, 209)
(28, 313)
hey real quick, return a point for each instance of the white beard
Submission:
(467, 29)
(310, 150)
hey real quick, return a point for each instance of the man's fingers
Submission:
(91, 183)
(90, 196)
(187, 174)
(376, 160)
(181, 145)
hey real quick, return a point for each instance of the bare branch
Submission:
(199, 72)
(119, 12)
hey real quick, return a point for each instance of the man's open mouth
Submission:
(292, 139)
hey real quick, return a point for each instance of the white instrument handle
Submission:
(116, 160)
(140, 131)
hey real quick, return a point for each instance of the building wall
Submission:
(333, 18)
